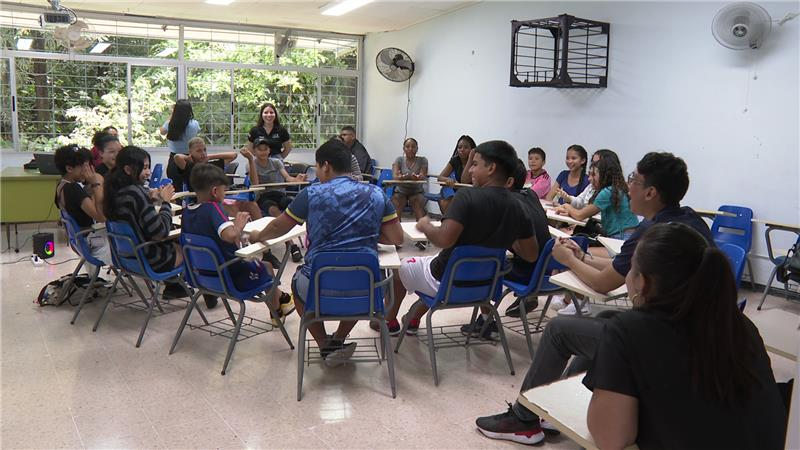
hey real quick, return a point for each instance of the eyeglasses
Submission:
(632, 179)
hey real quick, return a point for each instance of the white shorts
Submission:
(415, 274)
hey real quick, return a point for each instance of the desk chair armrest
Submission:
(770, 251)
(93, 229)
(368, 175)
(388, 282)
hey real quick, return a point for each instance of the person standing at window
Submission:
(180, 127)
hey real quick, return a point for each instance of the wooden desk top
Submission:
(568, 280)
(780, 331)
(565, 404)
(405, 181)
(410, 230)
(284, 184)
(713, 213)
(612, 245)
(551, 214)
(773, 224)
(19, 173)
(458, 185)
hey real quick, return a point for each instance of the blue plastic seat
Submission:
(155, 175)
(345, 286)
(383, 175)
(472, 278)
(736, 257)
(209, 274)
(539, 284)
(736, 230)
(78, 242)
(128, 256)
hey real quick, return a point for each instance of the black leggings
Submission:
(174, 174)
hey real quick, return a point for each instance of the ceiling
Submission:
(381, 15)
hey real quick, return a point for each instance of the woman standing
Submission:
(269, 127)
(180, 127)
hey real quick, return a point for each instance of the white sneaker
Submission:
(570, 310)
(557, 303)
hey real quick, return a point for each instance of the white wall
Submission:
(733, 116)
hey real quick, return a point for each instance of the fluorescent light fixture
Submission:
(219, 2)
(166, 52)
(342, 7)
(100, 47)
(24, 43)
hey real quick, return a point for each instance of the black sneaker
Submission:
(286, 304)
(491, 333)
(211, 301)
(422, 245)
(507, 426)
(393, 326)
(272, 259)
(337, 352)
(296, 255)
(531, 303)
(476, 331)
(173, 291)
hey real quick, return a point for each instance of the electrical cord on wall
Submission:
(408, 105)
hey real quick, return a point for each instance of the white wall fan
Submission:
(745, 25)
(72, 36)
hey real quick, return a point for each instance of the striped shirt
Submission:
(133, 206)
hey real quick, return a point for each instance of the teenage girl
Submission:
(573, 180)
(456, 170)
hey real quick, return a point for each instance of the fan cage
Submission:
(561, 52)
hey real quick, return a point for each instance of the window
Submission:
(6, 136)
(153, 94)
(209, 91)
(339, 104)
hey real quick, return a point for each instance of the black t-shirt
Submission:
(491, 217)
(186, 173)
(684, 215)
(275, 138)
(458, 167)
(72, 196)
(102, 169)
(645, 355)
(522, 270)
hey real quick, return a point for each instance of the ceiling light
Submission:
(24, 43)
(219, 2)
(100, 47)
(342, 7)
(166, 52)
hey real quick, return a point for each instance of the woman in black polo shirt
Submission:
(269, 127)
(684, 368)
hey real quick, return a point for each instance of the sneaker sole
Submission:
(521, 438)
(337, 358)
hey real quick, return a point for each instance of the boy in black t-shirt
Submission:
(487, 215)
(78, 177)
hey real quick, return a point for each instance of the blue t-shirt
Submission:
(615, 221)
(684, 215)
(182, 145)
(209, 219)
(563, 181)
(341, 215)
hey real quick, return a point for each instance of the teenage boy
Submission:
(341, 214)
(486, 215)
(656, 188)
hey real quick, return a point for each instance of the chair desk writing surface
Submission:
(780, 331)
(411, 231)
(565, 404)
(256, 249)
(568, 280)
(388, 257)
(551, 214)
(612, 245)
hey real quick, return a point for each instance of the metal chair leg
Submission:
(766, 288)
(71, 281)
(280, 324)
(387, 351)
(431, 349)
(301, 353)
(150, 308)
(750, 271)
(106, 301)
(402, 336)
(471, 325)
(523, 315)
(503, 338)
(192, 303)
(234, 336)
(89, 289)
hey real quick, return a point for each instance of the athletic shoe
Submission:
(548, 428)
(173, 291)
(277, 318)
(531, 303)
(421, 245)
(272, 259)
(337, 352)
(465, 329)
(393, 325)
(557, 302)
(211, 301)
(413, 326)
(490, 334)
(507, 426)
(569, 310)
(296, 255)
(286, 304)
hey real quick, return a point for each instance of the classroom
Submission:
(569, 224)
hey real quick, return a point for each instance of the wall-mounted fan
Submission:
(283, 43)
(740, 26)
(394, 64)
(72, 36)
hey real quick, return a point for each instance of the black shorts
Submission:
(268, 199)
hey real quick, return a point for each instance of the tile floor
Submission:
(64, 386)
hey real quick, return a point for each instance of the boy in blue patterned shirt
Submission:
(341, 214)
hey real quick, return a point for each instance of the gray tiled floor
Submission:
(66, 387)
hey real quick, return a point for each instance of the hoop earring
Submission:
(637, 297)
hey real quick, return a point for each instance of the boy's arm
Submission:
(233, 233)
(181, 160)
(226, 157)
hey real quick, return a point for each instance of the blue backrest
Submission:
(545, 264)
(123, 241)
(156, 175)
(386, 174)
(202, 258)
(734, 230)
(472, 274)
(736, 256)
(342, 284)
(78, 243)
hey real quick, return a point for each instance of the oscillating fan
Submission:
(72, 36)
(740, 26)
(394, 64)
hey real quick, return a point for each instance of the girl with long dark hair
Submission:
(685, 368)
(456, 170)
(179, 129)
(573, 180)
(269, 127)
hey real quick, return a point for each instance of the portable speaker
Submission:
(44, 245)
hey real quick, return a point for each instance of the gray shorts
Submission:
(300, 284)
